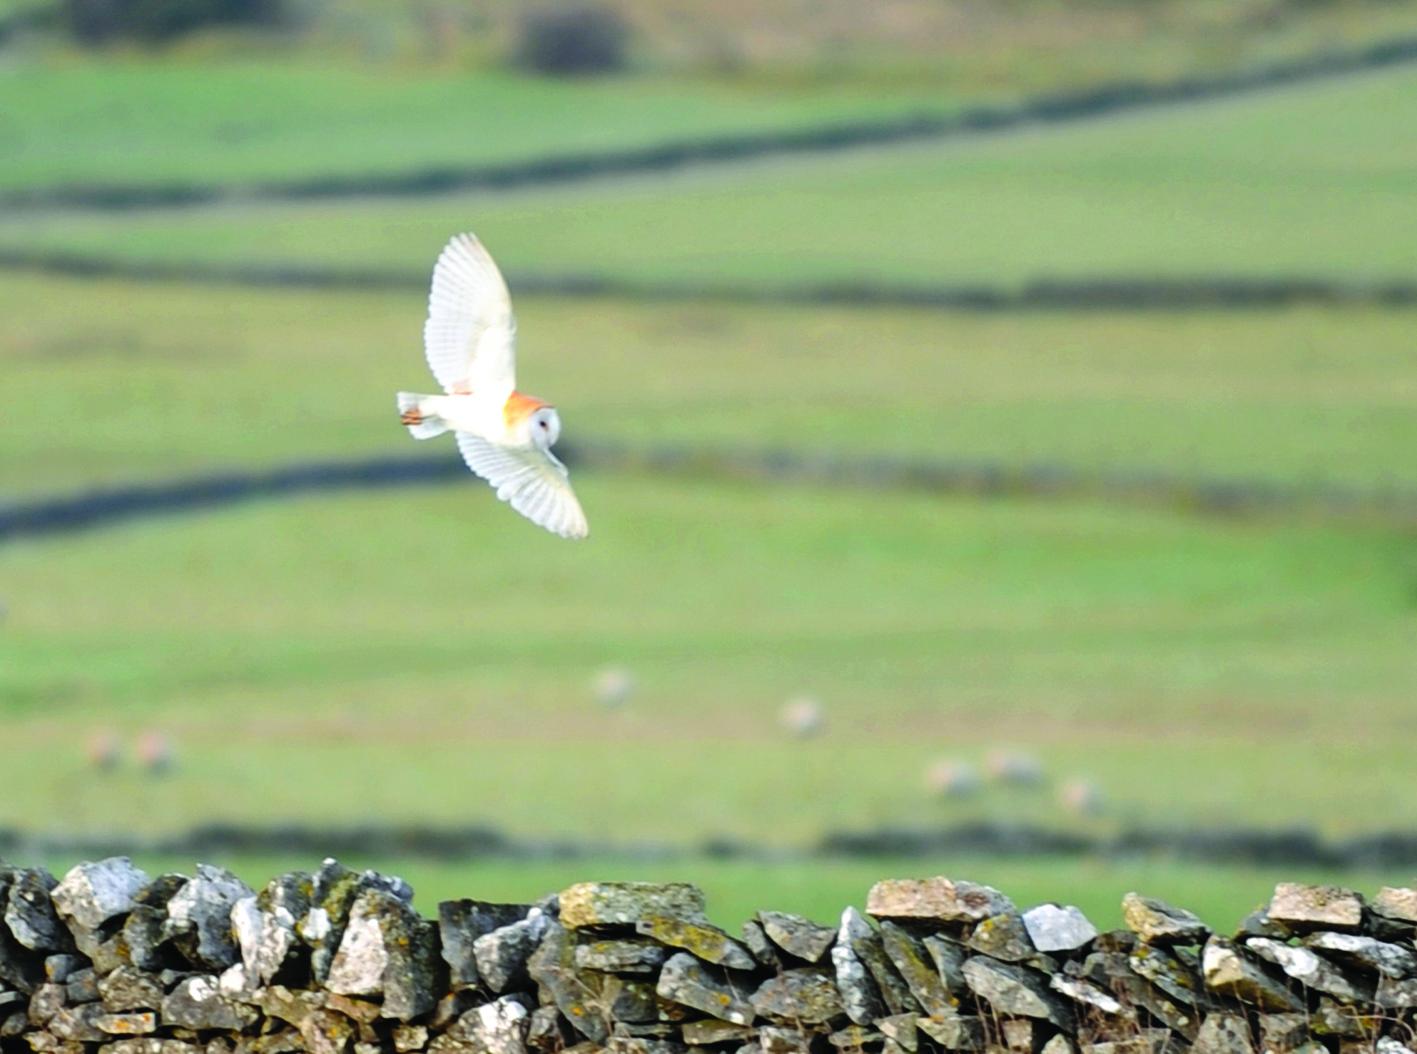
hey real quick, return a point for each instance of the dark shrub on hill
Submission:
(572, 40)
(99, 21)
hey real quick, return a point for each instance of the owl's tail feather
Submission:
(421, 424)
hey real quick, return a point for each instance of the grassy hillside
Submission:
(1140, 648)
(151, 380)
(1300, 182)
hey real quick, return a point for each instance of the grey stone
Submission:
(499, 1027)
(643, 1045)
(82, 986)
(1055, 928)
(552, 966)
(387, 949)
(867, 947)
(688, 982)
(127, 1024)
(1332, 1018)
(949, 957)
(1396, 994)
(326, 1032)
(47, 1000)
(30, 914)
(1223, 1034)
(1390, 960)
(13, 1024)
(546, 1032)
(1003, 937)
(1088, 994)
(777, 1040)
(1230, 973)
(1258, 924)
(953, 1031)
(294, 1007)
(711, 1032)
(902, 1030)
(77, 1024)
(797, 936)
(1020, 1035)
(143, 934)
(854, 1038)
(1388, 1045)
(1396, 903)
(625, 903)
(860, 997)
(197, 1003)
(939, 899)
(199, 917)
(501, 955)
(264, 925)
(1059, 1044)
(128, 988)
(1310, 969)
(150, 1045)
(755, 939)
(802, 996)
(636, 957)
(1304, 907)
(409, 1038)
(708, 943)
(1174, 977)
(1158, 922)
(625, 999)
(57, 968)
(913, 962)
(461, 922)
(92, 893)
(1280, 1033)
(1015, 990)
(334, 891)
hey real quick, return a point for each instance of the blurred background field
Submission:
(423, 656)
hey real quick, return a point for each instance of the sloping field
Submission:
(1308, 181)
(112, 382)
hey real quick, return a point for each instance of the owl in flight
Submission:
(504, 435)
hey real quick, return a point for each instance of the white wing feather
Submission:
(470, 334)
(533, 481)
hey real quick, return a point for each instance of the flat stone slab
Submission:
(1228, 972)
(1058, 928)
(806, 996)
(940, 899)
(92, 893)
(1311, 970)
(1398, 903)
(796, 935)
(1300, 906)
(1016, 990)
(688, 982)
(626, 903)
(1158, 922)
(707, 942)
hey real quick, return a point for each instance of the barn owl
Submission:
(504, 435)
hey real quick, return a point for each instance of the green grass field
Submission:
(1304, 182)
(155, 379)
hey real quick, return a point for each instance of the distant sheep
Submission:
(613, 687)
(803, 717)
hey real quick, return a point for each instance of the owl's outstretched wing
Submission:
(533, 481)
(470, 335)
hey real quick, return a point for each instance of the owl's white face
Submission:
(545, 427)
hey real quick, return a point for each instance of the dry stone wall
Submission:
(109, 960)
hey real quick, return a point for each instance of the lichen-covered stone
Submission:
(949, 957)
(1059, 1044)
(1334, 1019)
(1394, 994)
(907, 953)
(499, 1027)
(712, 1032)
(82, 986)
(939, 899)
(755, 939)
(78, 1024)
(1158, 922)
(1258, 924)
(389, 950)
(461, 922)
(1397, 903)
(797, 936)
(953, 1031)
(30, 914)
(707, 942)
(1390, 960)
(1223, 1034)
(501, 955)
(1016, 990)
(46, 1001)
(1058, 928)
(1003, 937)
(688, 982)
(860, 997)
(264, 925)
(1305, 907)
(775, 1039)
(1167, 972)
(626, 903)
(1020, 1035)
(1228, 972)
(552, 966)
(807, 996)
(198, 1003)
(866, 944)
(199, 917)
(129, 988)
(334, 891)
(1311, 970)
(150, 1045)
(92, 893)
(628, 999)
(326, 1032)
(854, 1038)
(1280, 1033)
(1088, 995)
(621, 956)
(127, 1024)
(57, 968)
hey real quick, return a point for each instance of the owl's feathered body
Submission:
(504, 435)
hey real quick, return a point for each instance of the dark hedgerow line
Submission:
(1184, 293)
(1219, 496)
(1048, 109)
